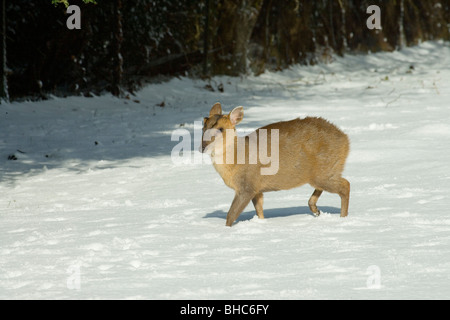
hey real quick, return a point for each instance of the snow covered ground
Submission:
(94, 207)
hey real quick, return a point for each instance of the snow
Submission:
(94, 207)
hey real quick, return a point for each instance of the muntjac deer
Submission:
(309, 150)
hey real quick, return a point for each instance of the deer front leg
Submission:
(313, 202)
(258, 203)
(239, 203)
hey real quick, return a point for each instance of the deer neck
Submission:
(225, 159)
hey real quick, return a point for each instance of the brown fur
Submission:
(311, 150)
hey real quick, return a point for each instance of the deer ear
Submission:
(216, 109)
(236, 115)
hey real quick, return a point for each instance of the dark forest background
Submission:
(122, 44)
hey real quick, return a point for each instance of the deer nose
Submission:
(202, 147)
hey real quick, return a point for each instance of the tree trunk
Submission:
(3, 79)
(117, 58)
(447, 18)
(235, 25)
(401, 26)
(343, 27)
(206, 39)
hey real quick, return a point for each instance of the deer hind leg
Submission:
(344, 193)
(313, 202)
(336, 185)
(340, 186)
(258, 203)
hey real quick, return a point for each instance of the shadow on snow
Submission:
(273, 213)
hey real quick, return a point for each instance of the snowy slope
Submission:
(94, 207)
